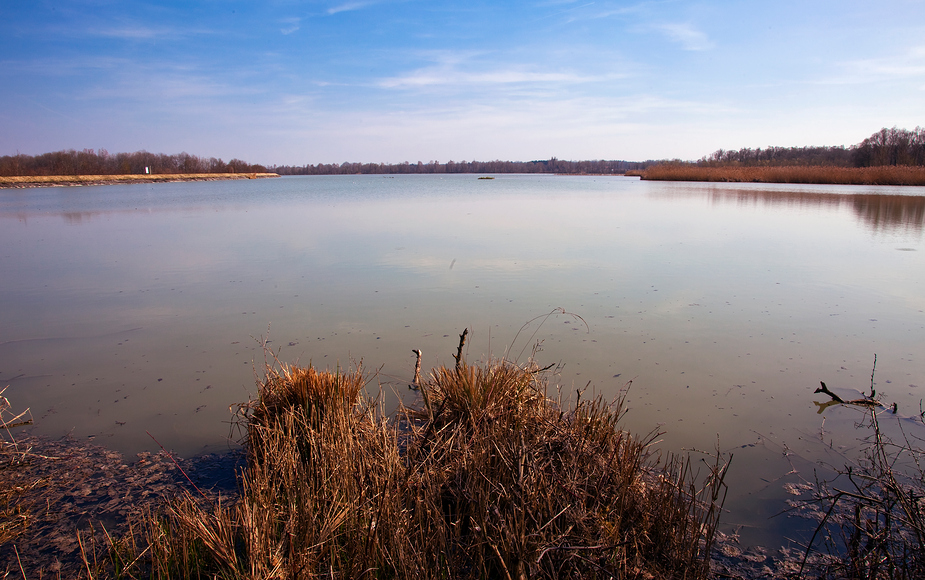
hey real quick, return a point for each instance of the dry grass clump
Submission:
(880, 175)
(489, 479)
(528, 490)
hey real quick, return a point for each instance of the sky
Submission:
(286, 82)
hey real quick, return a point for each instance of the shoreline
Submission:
(16, 182)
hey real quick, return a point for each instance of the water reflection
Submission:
(890, 211)
(877, 211)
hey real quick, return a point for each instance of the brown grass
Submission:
(883, 175)
(15, 512)
(59, 180)
(489, 478)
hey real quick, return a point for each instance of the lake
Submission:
(128, 310)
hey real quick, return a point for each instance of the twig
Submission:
(20, 563)
(872, 371)
(598, 547)
(545, 317)
(458, 355)
(178, 467)
(83, 555)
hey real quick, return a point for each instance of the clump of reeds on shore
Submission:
(489, 478)
(880, 175)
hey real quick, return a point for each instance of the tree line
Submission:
(101, 162)
(885, 147)
(553, 165)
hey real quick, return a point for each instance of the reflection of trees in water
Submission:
(77, 217)
(878, 212)
(888, 211)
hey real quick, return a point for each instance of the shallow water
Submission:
(128, 310)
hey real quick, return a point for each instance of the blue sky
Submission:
(291, 82)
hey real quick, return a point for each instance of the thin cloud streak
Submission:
(454, 78)
(686, 35)
(134, 33)
(292, 25)
(910, 64)
(349, 7)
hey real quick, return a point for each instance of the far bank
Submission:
(72, 180)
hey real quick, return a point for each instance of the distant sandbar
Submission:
(72, 180)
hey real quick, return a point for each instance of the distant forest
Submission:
(90, 162)
(885, 147)
(546, 166)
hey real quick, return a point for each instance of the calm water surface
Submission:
(126, 309)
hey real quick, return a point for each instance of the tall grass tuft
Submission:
(489, 478)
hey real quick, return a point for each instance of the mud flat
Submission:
(59, 494)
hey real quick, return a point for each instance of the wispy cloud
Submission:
(472, 68)
(133, 32)
(909, 64)
(290, 25)
(350, 6)
(686, 35)
(447, 77)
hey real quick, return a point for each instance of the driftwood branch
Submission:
(864, 402)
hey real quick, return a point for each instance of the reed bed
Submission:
(881, 175)
(487, 478)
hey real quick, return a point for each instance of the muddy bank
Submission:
(67, 486)
(74, 180)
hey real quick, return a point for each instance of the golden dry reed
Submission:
(881, 175)
(488, 478)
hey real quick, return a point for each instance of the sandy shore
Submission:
(72, 180)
